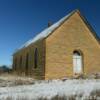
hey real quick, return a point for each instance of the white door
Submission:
(77, 63)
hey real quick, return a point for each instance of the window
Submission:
(77, 62)
(27, 63)
(21, 61)
(15, 63)
(35, 58)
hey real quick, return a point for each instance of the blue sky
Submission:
(21, 20)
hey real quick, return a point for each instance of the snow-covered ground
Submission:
(79, 89)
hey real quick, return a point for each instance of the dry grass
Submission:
(10, 98)
(94, 96)
(13, 80)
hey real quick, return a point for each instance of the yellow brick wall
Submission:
(72, 35)
(37, 73)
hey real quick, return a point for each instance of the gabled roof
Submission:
(45, 33)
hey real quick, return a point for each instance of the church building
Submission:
(67, 48)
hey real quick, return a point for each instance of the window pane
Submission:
(35, 58)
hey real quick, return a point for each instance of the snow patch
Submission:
(51, 89)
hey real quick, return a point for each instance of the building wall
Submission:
(72, 35)
(30, 70)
